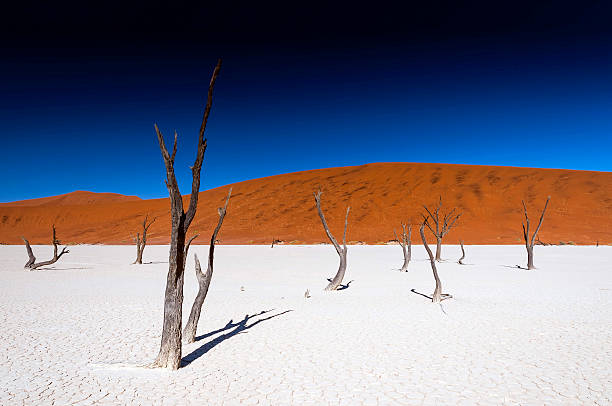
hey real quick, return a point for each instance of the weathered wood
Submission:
(530, 241)
(460, 262)
(442, 226)
(342, 251)
(189, 333)
(437, 295)
(170, 351)
(142, 242)
(32, 264)
(406, 244)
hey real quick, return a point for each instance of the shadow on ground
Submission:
(236, 328)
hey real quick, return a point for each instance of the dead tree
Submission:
(443, 225)
(460, 262)
(32, 264)
(337, 280)
(189, 332)
(529, 241)
(141, 242)
(170, 348)
(406, 244)
(437, 296)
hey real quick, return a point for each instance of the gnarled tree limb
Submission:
(460, 262)
(530, 241)
(170, 351)
(442, 225)
(406, 244)
(32, 264)
(191, 327)
(342, 251)
(142, 242)
(437, 296)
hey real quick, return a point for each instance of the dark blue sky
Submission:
(300, 88)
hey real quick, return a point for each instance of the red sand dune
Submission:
(381, 195)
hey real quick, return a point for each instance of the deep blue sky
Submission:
(300, 88)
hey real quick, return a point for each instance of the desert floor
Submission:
(80, 331)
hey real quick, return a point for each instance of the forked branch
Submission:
(437, 296)
(335, 283)
(530, 240)
(406, 245)
(141, 242)
(32, 264)
(441, 225)
(204, 279)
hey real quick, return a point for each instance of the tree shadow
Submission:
(238, 328)
(444, 296)
(341, 286)
(422, 294)
(52, 268)
(516, 267)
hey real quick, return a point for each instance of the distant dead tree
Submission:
(406, 244)
(443, 225)
(32, 264)
(141, 242)
(460, 262)
(337, 280)
(529, 241)
(437, 296)
(189, 333)
(169, 355)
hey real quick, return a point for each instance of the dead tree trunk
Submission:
(142, 242)
(529, 241)
(460, 262)
(169, 355)
(189, 333)
(32, 264)
(337, 280)
(437, 296)
(406, 244)
(442, 225)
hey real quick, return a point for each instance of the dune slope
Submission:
(381, 195)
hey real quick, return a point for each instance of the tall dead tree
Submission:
(406, 244)
(442, 225)
(529, 241)
(337, 280)
(437, 296)
(460, 262)
(32, 264)
(141, 242)
(203, 279)
(169, 355)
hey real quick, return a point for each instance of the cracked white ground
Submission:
(78, 331)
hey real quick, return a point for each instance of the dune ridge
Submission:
(381, 195)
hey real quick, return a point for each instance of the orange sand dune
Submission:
(381, 195)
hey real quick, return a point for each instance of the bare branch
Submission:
(197, 166)
(348, 208)
(437, 295)
(170, 351)
(204, 279)
(31, 264)
(188, 243)
(342, 251)
(530, 242)
(317, 196)
(540, 222)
